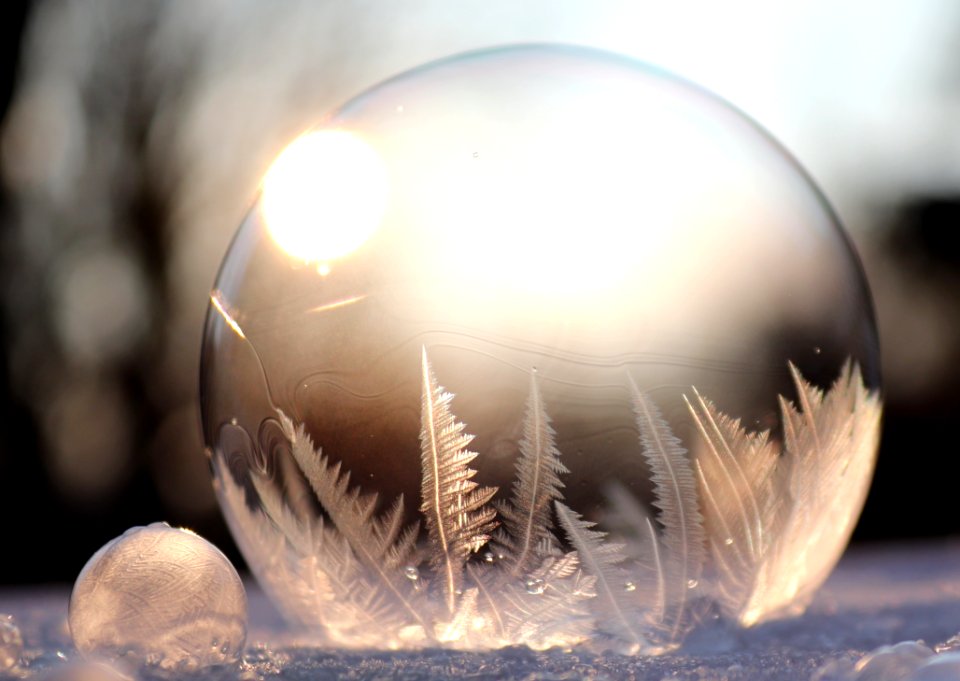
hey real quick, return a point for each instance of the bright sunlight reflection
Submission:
(324, 196)
(573, 207)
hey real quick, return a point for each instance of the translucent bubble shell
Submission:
(539, 346)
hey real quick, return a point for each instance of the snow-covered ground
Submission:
(878, 596)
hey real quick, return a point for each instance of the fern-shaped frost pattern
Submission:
(458, 519)
(675, 489)
(614, 614)
(829, 443)
(635, 524)
(742, 505)
(772, 520)
(778, 521)
(306, 567)
(378, 542)
(556, 611)
(528, 535)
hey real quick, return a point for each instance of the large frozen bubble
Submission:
(160, 596)
(539, 346)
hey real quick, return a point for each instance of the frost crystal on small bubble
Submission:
(162, 597)
(11, 643)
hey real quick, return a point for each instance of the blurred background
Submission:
(133, 136)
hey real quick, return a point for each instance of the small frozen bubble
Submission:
(886, 663)
(11, 643)
(162, 597)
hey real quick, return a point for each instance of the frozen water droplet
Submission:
(411, 573)
(693, 583)
(728, 541)
(157, 596)
(629, 586)
(535, 586)
(11, 643)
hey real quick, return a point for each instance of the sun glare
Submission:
(324, 196)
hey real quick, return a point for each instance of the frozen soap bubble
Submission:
(538, 346)
(160, 596)
(11, 643)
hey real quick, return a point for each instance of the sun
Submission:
(324, 196)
